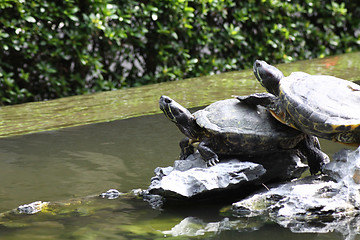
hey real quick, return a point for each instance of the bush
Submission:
(52, 49)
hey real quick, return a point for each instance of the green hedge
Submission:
(52, 49)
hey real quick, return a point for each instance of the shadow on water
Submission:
(71, 163)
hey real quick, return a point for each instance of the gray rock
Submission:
(326, 203)
(111, 194)
(194, 226)
(193, 161)
(32, 208)
(283, 165)
(191, 178)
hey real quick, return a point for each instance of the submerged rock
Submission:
(326, 203)
(32, 208)
(194, 226)
(111, 194)
(192, 179)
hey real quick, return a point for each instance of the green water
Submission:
(72, 163)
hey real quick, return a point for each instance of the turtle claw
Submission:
(212, 162)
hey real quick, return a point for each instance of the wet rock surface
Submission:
(32, 208)
(111, 194)
(194, 226)
(191, 179)
(325, 203)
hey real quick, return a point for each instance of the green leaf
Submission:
(30, 19)
(74, 18)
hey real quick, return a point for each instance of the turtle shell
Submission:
(321, 105)
(250, 129)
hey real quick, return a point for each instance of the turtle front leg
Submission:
(186, 148)
(310, 147)
(263, 99)
(209, 156)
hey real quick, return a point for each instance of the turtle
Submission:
(321, 105)
(229, 127)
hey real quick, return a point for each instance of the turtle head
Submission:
(269, 76)
(179, 115)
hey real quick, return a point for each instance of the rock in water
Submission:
(111, 194)
(192, 179)
(193, 226)
(326, 203)
(32, 208)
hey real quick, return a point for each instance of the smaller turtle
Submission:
(320, 105)
(229, 127)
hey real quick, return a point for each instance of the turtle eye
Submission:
(167, 100)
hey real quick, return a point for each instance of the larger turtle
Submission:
(229, 127)
(325, 106)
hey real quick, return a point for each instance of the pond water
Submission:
(80, 161)
(68, 164)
